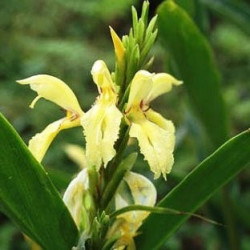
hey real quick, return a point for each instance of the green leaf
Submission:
(236, 12)
(195, 189)
(188, 6)
(195, 62)
(28, 197)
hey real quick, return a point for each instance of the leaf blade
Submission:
(28, 196)
(236, 12)
(195, 62)
(195, 189)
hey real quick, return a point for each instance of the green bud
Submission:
(145, 10)
(148, 45)
(151, 26)
(134, 19)
(141, 31)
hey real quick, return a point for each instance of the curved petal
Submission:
(111, 127)
(102, 77)
(101, 127)
(164, 124)
(74, 195)
(140, 88)
(162, 83)
(156, 144)
(143, 193)
(54, 90)
(92, 128)
(40, 143)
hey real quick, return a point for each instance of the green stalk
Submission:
(114, 183)
(116, 171)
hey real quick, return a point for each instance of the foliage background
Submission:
(64, 38)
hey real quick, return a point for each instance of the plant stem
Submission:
(115, 174)
(116, 179)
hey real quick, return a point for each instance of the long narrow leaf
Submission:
(234, 11)
(195, 189)
(194, 60)
(28, 196)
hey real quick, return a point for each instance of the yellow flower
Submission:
(143, 193)
(154, 133)
(78, 196)
(74, 198)
(101, 123)
(55, 90)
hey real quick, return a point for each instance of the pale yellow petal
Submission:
(160, 120)
(33, 103)
(111, 127)
(92, 128)
(165, 124)
(101, 127)
(74, 195)
(143, 193)
(118, 45)
(102, 77)
(54, 90)
(40, 143)
(76, 154)
(143, 190)
(156, 144)
(140, 88)
(162, 83)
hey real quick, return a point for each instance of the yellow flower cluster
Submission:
(101, 125)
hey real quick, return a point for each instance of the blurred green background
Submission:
(64, 38)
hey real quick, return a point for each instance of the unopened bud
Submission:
(118, 45)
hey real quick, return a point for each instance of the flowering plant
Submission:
(121, 111)
(107, 205)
